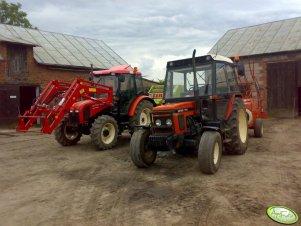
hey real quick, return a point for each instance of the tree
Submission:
(11, 13)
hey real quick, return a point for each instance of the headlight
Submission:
(168, 122)
(158, 122)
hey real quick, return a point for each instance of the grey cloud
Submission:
(145, 31)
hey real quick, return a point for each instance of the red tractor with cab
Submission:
(203, 110)
(110, 102)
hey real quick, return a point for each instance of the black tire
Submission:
(237, 129)
(258, 128)
(67, 135)
(141, 155)
(144, 106)
(210, 152)
(104, 132)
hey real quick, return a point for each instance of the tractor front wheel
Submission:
(258, 128)
(142, 155)
(65, 134)
(142, 115)
(104, 132)
(210, 152)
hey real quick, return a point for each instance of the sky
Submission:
(147, 34)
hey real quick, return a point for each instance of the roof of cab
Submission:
(119, 69)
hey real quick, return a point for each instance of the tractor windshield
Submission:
(180, 82)
(109, 80)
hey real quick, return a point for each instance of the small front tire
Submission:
(65, 134)
(104, 132)
(141, 155)
(210, 152)
(258, 128)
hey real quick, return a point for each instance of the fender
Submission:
(230, 105)
(134, 104)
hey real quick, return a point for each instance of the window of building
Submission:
(17, 60)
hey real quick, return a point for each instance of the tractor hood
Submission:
(189, 105)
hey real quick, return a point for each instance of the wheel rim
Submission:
(216, 153)
(108, 133)
(243, 126)
(71, 133)
(144, 119)
(261, 129)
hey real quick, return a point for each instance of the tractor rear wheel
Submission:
(258, 128)
(67, 135)
(104, 132)
(210, 152)
(237, 129)
(142, 115)
(141, 155)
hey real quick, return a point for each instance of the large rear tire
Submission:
(237, 129)
(67, 135)
(141, 155)
(258, 128)
(142, 115)
(104, 132)
(210, 152)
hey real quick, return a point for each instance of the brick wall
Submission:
(260, 67)
(38, 74)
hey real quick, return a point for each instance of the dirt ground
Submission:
(43, 183)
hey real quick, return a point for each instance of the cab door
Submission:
(222, 90)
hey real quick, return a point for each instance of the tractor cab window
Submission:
(127, 91)
(108, 80)
(232, 80)
(180, 82)
(139, 84)
(221, 79)
(204, 77)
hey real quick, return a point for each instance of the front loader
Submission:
(202, 110)
(110, 102)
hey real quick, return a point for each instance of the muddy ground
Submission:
(43, 183)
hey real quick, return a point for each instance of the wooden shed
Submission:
(274, 49)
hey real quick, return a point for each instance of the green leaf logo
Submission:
(282, 214)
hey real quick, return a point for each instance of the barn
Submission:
(30, 58)
(274, 50)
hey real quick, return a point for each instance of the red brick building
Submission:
(275, 50)
(30, 58)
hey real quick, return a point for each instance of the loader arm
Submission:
(57, 99)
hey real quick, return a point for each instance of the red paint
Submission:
(134, 104)
(66, 99)
(120, 69)
(230, 106)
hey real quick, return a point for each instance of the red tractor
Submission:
(112, 101)
(203, 110)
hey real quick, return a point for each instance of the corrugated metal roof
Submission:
(278, 36)
(12, 39)
(64, 50)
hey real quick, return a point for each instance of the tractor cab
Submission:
(207, 89)
(127, 85)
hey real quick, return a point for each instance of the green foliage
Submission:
(11, 13)
(161, 81)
